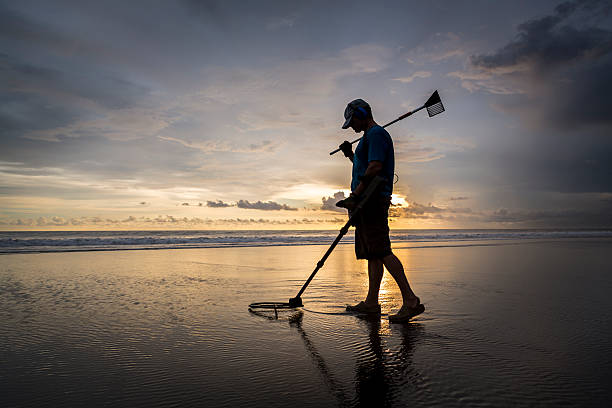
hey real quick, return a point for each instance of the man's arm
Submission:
(374, 168)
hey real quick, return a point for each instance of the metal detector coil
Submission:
(297, 300)
(292, 304)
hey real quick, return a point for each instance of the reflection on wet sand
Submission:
(380, 373)
(332, 383)
(150, 328)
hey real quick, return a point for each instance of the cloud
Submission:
(368, 57)
(415, 210)
(329, 203)
(40, 98)
(436, 48)
(259, 205)
(19, 222)
(547, 43)
(554, 78)
(485, 81)
(54, 221)
(410, 78)
(560, 62)
(91, 92)
(217, 204)
(411, 150)
(458, 198)
(211, 146)
(568, 217)
(265, 221)
(103, 88)
(280, 22)
(598, 216)
(166, 221)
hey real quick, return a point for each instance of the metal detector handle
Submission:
(404, 116)
(376, 181)
(374, 184)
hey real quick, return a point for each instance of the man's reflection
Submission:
(379, 374)
(371, 382)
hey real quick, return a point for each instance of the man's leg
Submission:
(396, 269)
(375, 274)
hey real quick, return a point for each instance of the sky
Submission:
(221, 114)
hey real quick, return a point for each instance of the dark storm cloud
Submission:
(556, 78)
(547, 42)
(563, 61)
(268, 206)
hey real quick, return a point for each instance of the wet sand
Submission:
(518, 323)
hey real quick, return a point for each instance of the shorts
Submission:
(372, 229)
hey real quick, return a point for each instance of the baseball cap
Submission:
(351, 108)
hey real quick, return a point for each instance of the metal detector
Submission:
(297, 300)
(433, 105)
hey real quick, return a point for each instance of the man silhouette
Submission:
(374, 156)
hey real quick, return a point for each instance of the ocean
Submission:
(72, 241)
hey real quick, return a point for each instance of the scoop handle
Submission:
(404, 116)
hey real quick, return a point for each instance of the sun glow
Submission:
(309, 193)
(396, 199)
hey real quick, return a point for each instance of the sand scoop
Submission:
(297, 300)
(433, 105)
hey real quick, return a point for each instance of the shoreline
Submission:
(416, 244)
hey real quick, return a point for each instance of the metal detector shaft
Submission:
(343, 232)
(404, 116)
(368, 193)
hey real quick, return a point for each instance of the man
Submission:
(374, 156)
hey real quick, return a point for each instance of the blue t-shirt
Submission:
(376, 144)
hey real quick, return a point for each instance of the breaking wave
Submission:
(68, 241)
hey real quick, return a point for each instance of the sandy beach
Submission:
(518, 323)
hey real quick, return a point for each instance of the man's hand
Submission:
(349, 203)
(347, 149)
